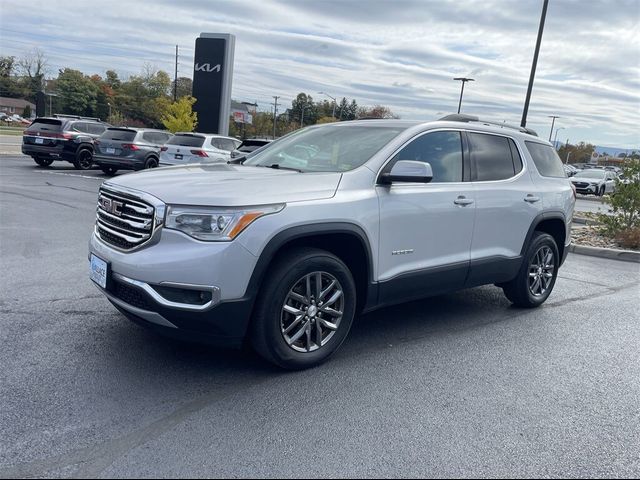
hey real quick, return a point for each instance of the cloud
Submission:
(400, 54)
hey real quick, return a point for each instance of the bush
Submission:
(179, 116)
(624, 221)
(629, 238)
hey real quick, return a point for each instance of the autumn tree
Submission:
(179, 116)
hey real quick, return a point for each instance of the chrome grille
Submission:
(122, 220)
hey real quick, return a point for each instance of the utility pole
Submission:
(555, 138)
(175, 79)
(302, 117)
(463, 80)
(523, 123)
(552, 124)
(275, 114)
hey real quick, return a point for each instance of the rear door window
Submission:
(81, 127)
(491, 156)
(546, 159)
(226, 144)
(186, 140)
(150, 137)
(96, 128)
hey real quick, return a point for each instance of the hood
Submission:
(228, 185)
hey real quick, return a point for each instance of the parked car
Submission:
(185, 147)
(250, 145)
(570, 170)
(285, 251)
(129, 148)
(62, 137)
(594, 182)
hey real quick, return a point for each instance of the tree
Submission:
(112, 80)
(179, 116)
(303, 110)
(33, 66)
(623, 221)
(27, 111)
(9, 84)
(352, 111)
(581, 152)
(377, 111)
(342, 109)
(185, 87)
(78, 93)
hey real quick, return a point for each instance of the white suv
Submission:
(284, 248)
(186, 147)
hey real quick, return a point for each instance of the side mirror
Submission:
(409, 171)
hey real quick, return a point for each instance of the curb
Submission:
(609, 253)
(584, 221)
(589, 198)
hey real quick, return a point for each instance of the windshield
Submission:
(590, 174)
(330, 148)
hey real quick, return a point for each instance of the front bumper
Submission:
(223, 268)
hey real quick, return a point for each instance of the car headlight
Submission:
(595, 184)
(215, 224)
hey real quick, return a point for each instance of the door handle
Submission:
(463, 201)
(531, 198)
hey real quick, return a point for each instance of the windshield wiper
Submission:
(276, 166)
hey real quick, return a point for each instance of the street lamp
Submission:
(555, 138)
(109, 103)
(463, 80)
(552, 124)
(334, 102)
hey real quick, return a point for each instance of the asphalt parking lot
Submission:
(458, 385)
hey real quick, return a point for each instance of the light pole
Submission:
(525, 111)
(463, 80)
(50, 104)
(555, 138)
(552, 124)
(334, 102)
(109, 103)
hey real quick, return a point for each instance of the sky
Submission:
(403, 54)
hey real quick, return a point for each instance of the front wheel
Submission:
(305, 309)
(43, 162)
(601, 191)
(84, 160)
(109, 170)
(537, 276)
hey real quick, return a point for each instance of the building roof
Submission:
(15, 102)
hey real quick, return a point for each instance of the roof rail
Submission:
(75, 117)
(459, 117)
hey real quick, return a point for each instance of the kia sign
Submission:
(212, 75)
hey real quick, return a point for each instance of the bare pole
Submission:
(523, 123)
(175, 79)
(275, 114)
(552, 124)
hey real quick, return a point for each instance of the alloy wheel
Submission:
(312, 311)
(541, 269)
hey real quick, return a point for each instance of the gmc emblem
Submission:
(111, 206)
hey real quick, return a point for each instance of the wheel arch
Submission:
(553, 223)
(345, 240)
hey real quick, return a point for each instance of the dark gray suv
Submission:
(123, 148)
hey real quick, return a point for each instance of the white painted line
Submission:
(71, 175)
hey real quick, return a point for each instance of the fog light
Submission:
(184, 295)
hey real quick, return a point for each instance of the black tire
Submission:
(43, 162)
(152, 162)
(519, 290)
(109, 170)
(84, 159)
(267, 333)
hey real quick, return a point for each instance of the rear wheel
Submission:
(537, 276)
(151, 162)
(43, 162)
(109, 170)
(305, 309)
(84, 159)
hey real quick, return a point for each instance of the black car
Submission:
(62, 137)
(129, 148)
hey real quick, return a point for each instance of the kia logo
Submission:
(206, 67)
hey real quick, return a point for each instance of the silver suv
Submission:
(284, 248)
